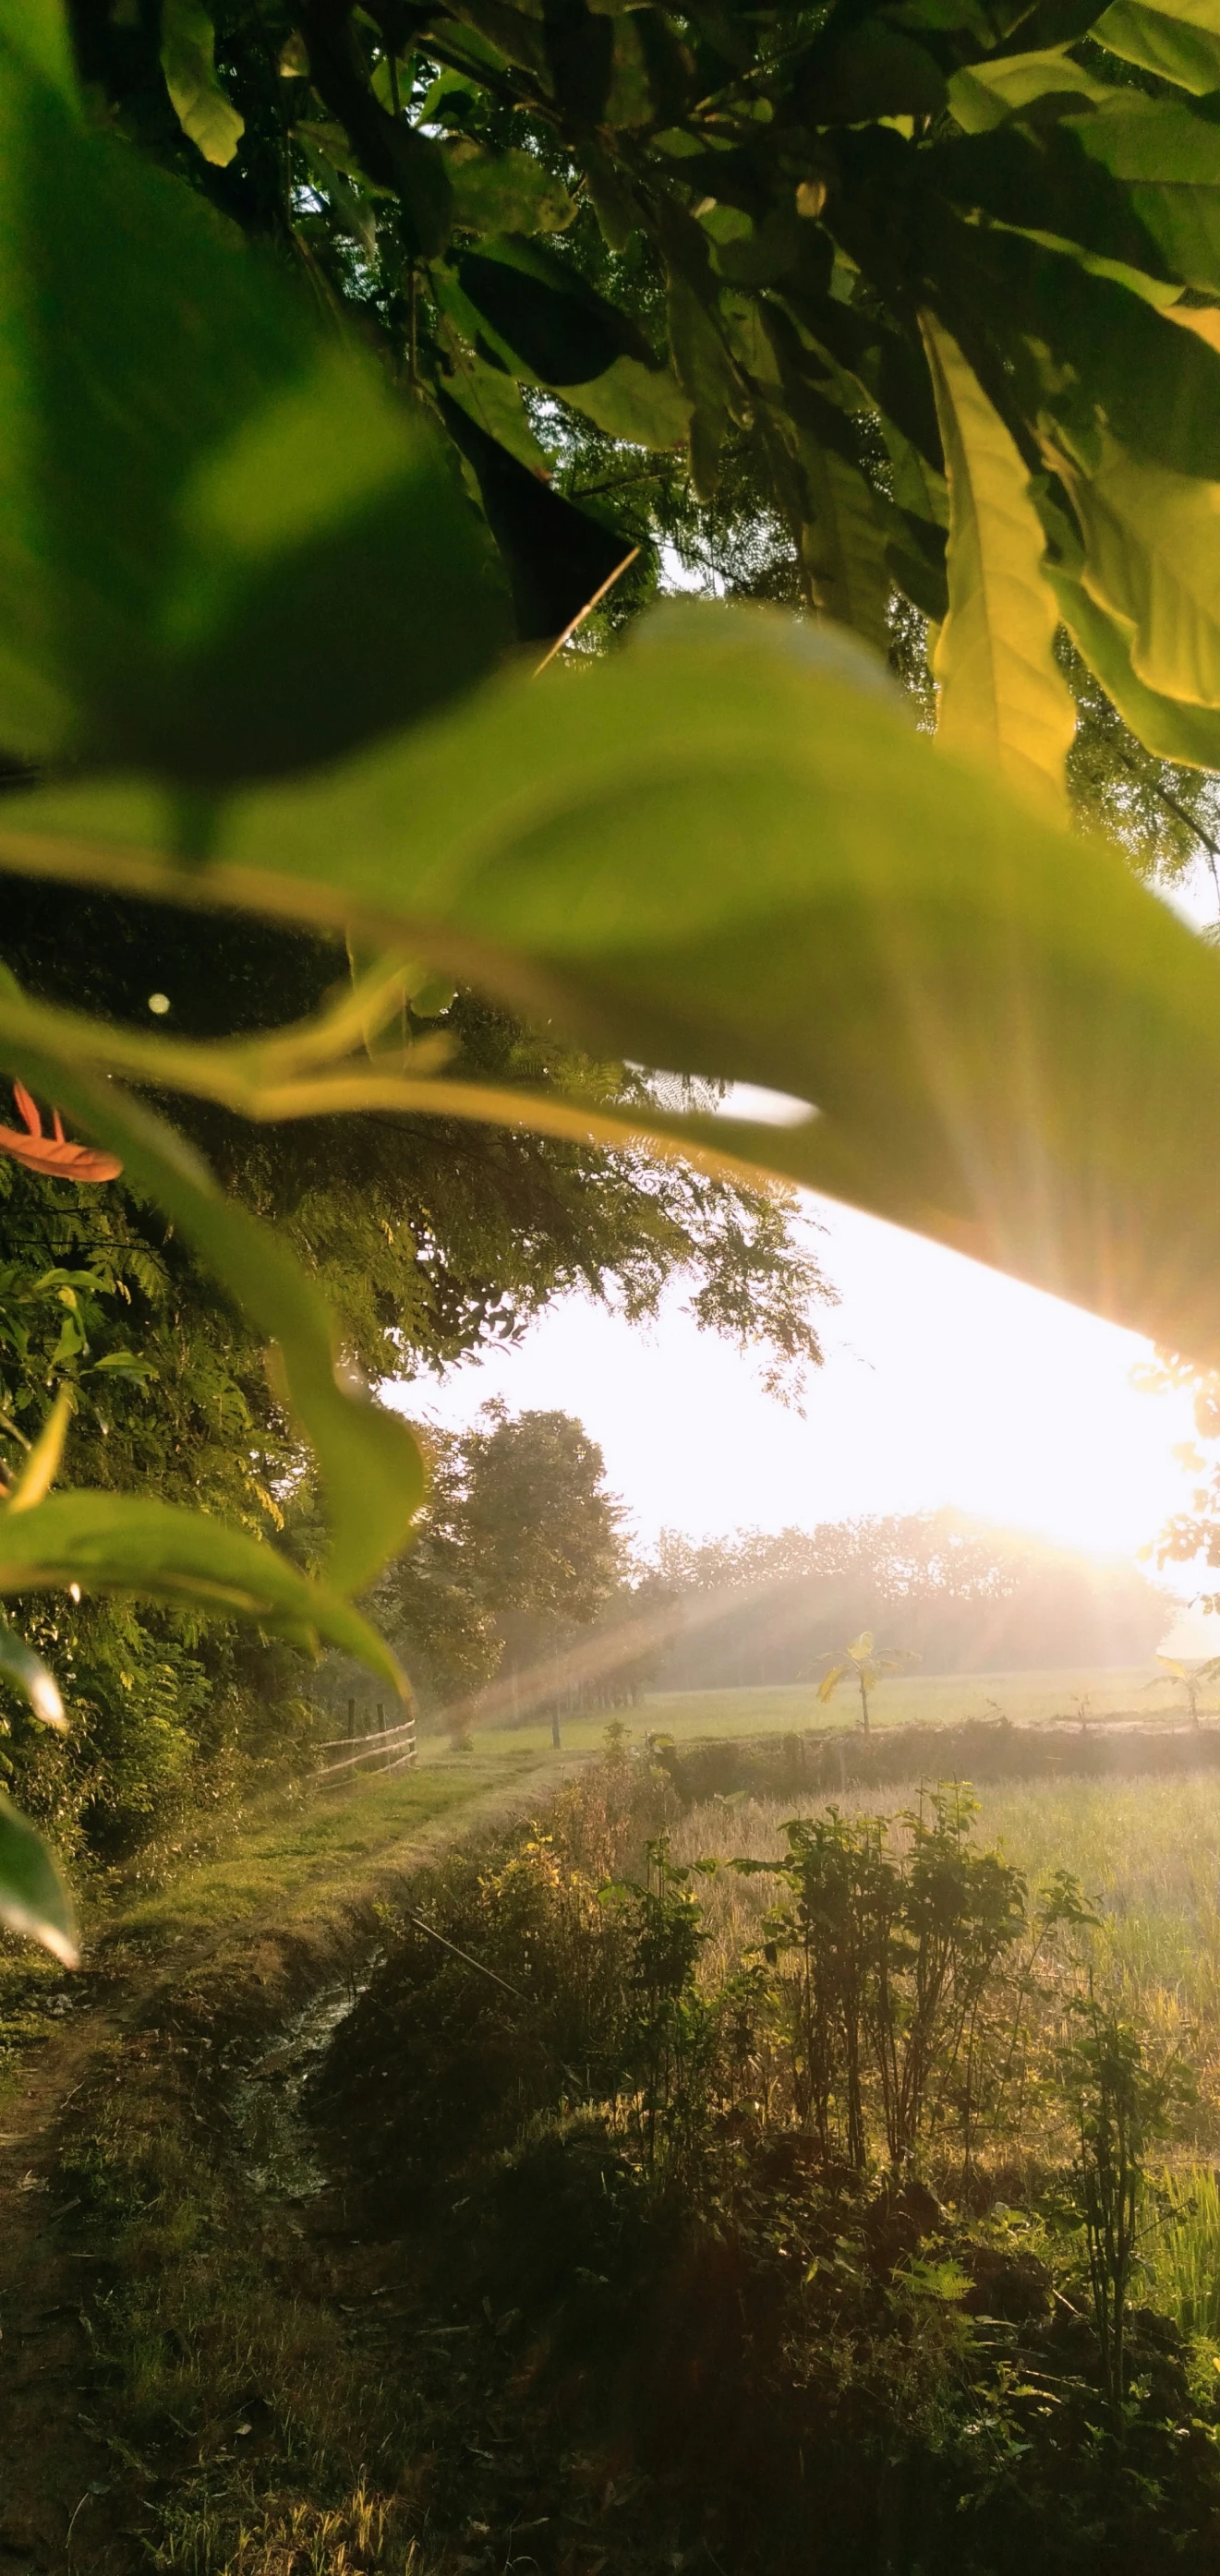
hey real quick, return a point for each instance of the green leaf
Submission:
(368, 1458)
(188, 60)
(642, 404)
(1188, 735)
(355, 212)
(1152, 563)
(1002, 696)
(41, 1467)
(20, 1665)
(728, 851)
(37, 32)
(983, 94)
(194, 486)
(492, 399)
(123, 1543)
(705, 375)
(33, 1898)
(505, 192)
(538, 316)
(1182, 47)
(1168, 160)
(1046, 183)
(843, 543)
(1083, 355)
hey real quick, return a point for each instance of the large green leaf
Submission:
(368, 1459)
(195, 487)
(1002, 696)
(1078, 352)
(1182, 45)
(33, 1898)
(536, 313)
(724, 849)
(1152, 561)
(504, 192)
(1048, 184)
(982, 95)
(1168, 161)
(121, 1542)
(1190, 735)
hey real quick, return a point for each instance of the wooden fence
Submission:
(384, 1748)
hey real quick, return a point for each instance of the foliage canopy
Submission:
(934, 267)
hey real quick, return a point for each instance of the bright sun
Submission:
(944, 1383)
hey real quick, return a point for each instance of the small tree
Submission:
(863, 1665)
(1189, 1677)
(1121, 2106)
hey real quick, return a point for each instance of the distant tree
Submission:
(765, 1605)
(545, 1532)
(519, 1553)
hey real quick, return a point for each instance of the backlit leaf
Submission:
(1186, 734)
(126, 1543)
(1166, 157)
(725, 850)
(41, 1467)
(1152, 562)
(26, 1671)
(33, 1898)
(983, 94)
(1181, 45)
(539, 317)
(1085, 355)
(188, 60)
(1002, 696)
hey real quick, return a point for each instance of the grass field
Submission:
(1146, 1852)
(1029, 1698)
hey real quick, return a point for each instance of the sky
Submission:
(943, 1383)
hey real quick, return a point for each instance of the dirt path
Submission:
(173, 2006)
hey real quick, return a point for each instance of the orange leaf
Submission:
(54, 1155)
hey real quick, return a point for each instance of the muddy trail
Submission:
(155, 2182)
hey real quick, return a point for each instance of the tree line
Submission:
(523, 1591)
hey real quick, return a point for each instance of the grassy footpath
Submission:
(287, 1858)
(148, 2296)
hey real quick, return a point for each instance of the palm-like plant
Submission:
(1190, 1677)
(862, 1664)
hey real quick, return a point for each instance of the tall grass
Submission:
(1182, 2251)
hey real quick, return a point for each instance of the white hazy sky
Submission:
(943, 1383)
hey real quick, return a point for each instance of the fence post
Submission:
(381, 1731)
(351, 1721)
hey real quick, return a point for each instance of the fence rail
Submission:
(374, 1749)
